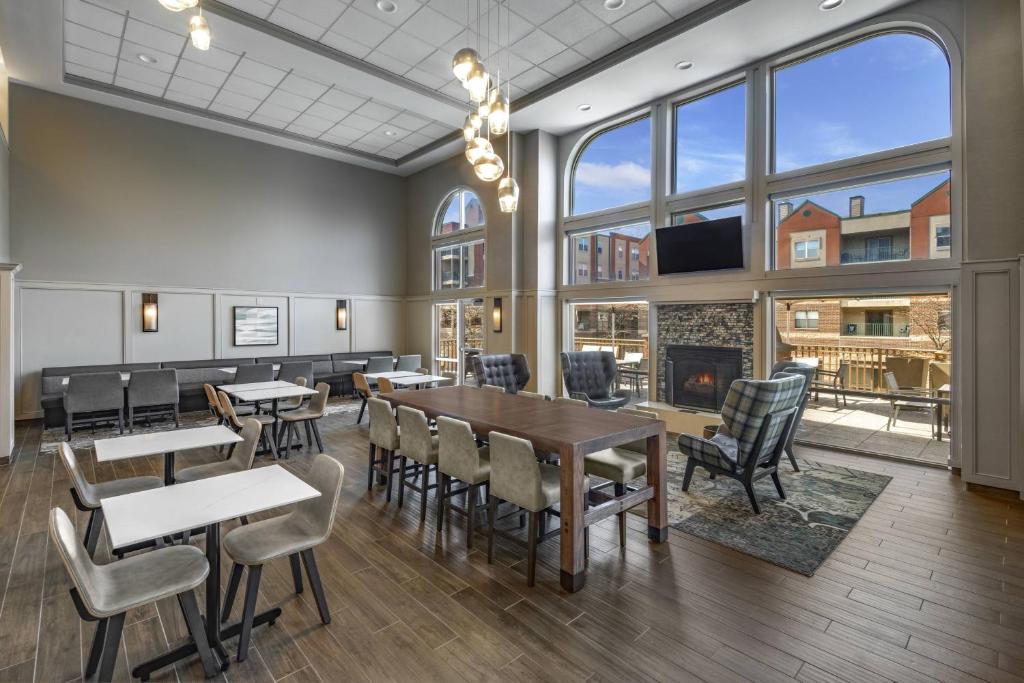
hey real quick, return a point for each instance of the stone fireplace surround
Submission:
(729, 324)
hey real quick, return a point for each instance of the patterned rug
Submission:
(83, 437)
(823, 502)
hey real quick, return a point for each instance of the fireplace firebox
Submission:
(699, 376)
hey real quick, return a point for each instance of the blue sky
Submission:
(885, 92)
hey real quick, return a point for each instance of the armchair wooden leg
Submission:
(390, 465)
(231, 592)
(492, 516)
(252, 587)
(313, 574)
(792, 460)
(471, 495)
(753, 497)
(423, 493)
(296, 572)
(620, 490)
(402, 462)
(111, 645)
(442, 499)
(778, 485)
(691, 465)
(97, 648)
(531, 549)
(369, 469)
(190, 610)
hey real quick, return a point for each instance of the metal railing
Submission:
(874, 254)
(620, 346)
(874, 330)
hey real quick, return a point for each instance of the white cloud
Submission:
(625, 175)
(838, 140)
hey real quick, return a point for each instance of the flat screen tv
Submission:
(708, 245)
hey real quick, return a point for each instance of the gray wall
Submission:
(106, 195)
(5, 201)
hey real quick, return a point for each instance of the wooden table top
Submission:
(548, 425)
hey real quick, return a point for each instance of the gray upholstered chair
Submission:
(156, 390)
(493, 387)
(420, 446)
(242, 456)
(532, 394)
(789, 367)
(409, 363)
(295, 534)
(566, 401)
(363, 391)
(518, 478)
(293, 403)
(234, 422)
(292, 369)
(620, 465)
(255, 372)
(384, 443)
(510, 371)
(100, 395)
(757, 416)
(460, 459)
(87, 496)
(590, 376)
(380, 364)
(105, 593)
(308, 416)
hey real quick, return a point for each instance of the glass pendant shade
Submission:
(469, 130)
(462, 63)
(179, 5)
(478, 82)
(200, 32)
(489, 167)
(497, 120)
(484, 110)
(508, 195)
(477, 148)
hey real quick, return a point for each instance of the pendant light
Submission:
(463, 62)
(498, 123)
(477, 148)
(497, 119)
(471, 127)
(489, 167)
(200, 31)
(508, 194)
(477, 83)
(179, 5)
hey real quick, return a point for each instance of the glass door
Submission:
(446, 343)
(459, 335)
(472, 335)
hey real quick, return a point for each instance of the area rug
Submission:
(823, 502)
(84, 437)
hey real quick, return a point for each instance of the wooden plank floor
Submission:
(929, 586)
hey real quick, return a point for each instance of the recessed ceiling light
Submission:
(387, 6)
(148, 59)
(684, 65)
(584, 107)
(614, 5)
(390, 133)
(827, 5)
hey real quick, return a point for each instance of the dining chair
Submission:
(156, 390)
(385, 386)
(491, 387)
(233, 422)
(384, 438)
(460, 459)
(87, 496)
(423, 371)
(254, 372)
(289, 370)
(213, 403)
(532, 394)
(363, 391)
(409, 363)
(379, 364)
(294, 534)
(308, 416)
(241, 458)
(518, 478)
(293, 403)
(99, 394)
(420, 446)
(620, 465)
(105, 593)
(566, 401)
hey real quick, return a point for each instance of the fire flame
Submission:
(704, 378)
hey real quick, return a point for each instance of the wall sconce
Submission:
(150, 313)
(496, 313)
(342, 314)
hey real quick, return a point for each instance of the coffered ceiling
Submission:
(352, 80)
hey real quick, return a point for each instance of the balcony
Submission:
(873, 254)
(875, 330)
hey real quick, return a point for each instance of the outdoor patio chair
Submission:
(898, 405)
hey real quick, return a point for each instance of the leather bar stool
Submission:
(363, 391)
(459, 458)
(420, 446)
(235, 423)
(308, 416)
(385, 439)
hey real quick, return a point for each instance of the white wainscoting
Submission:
(59, 324)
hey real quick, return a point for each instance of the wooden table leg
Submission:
(657, 475)
(572, 495)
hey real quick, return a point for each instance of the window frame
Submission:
(571, 269)
(459, 238)
(581, 149)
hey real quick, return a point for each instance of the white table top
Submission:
(168, 510)
(374, 376)
(253, 386)
(414, 380)
(158, 443)
(290, 391)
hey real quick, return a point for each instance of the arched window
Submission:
(459, 247)
(613, 168)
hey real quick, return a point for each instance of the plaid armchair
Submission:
(758, 416)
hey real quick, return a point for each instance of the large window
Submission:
(710, 137)
(613, 169)
(621, 253)
(459, 247)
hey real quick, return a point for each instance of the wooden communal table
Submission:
(571, 432)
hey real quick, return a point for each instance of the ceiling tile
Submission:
(310, 122)
(610, 16)
(244, 86)
(94, 40)
(194, 88)
(297, 24)
(418, 140)
(237, 101)
(405, 47)
(395, 66)
(281, 98)
(538, 46)
(454, 89)
(277, 112)
(305, 87)
(303, 131)
(600, 43)
(342, 100)
(258, 71)
(138, 86)
(409, 121)
(364, 28)
(164, 62)
(565, 62)
(228, 110)
(514, 27)
(377, 111)
(534, 78)
(343, 132)
(326, 111)
(265, 120)
(431, 26)
(572, 25)
(150, 36)
(399, 149)
(360, 122)
(94, 17)
(680, 8)
(511, 64)
(346, 45)
(643, 21)
(93, 60)
(539, 11)
(435, 129)
(186, 98)
(425, 78)
(86, 72)
(321, 12)
(138, 71)
(215, 57)
(203, 74)
(404, 10)
(258, 8)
